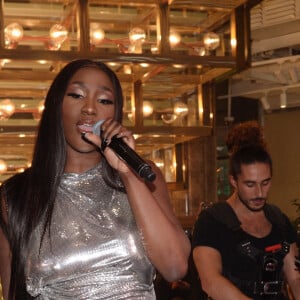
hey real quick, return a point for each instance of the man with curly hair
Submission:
(244, 248)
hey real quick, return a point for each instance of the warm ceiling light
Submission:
(97, 34)
(147, 108)
(41, 106)
(233, 42)
(7, 108)
(180, 109)
(3, 166)
(154, 49)
(283, 99)
(20, 170)
(113, 64)
(42, 61)
(178, 66)
(137, 34)
(136, 37)
(13, 34)
(127, 69)
(174, 38)
(211, 41)
(58, 34)
(3, 62)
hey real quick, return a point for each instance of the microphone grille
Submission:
(96, 127)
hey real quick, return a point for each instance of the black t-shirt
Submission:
(209, 231)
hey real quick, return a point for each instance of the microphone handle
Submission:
(133, 160)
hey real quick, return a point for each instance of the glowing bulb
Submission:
(283, 100)
(211, 41)
(96, 34)
(233, 42)
(180, 109)
(7, 108)
(154, 49)
(14, 32)
(58, 34)
(41, 106)
(147, 108)
(137, 34)
(136, 37)
(174, 38)
(3, 166)
(127, 69)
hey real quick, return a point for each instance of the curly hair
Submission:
(245, 134)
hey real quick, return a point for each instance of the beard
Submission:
(246, 203)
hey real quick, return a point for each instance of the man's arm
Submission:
(209, 266)
(291, 273)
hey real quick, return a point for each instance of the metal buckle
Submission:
(268, 288)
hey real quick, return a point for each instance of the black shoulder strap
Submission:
(276, 217)
(223, 213)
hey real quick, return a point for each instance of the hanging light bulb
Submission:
(3, 166)
(13, 34)
(7, 108)
(58, 34)
(137, 38)
(147, 108)
(137, 34)
(97, 34)
(41, 106)
(174, 38)
(180, 109)
(211, 41)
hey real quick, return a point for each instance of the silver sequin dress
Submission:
(94, 251)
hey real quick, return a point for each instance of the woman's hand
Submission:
(112, 129)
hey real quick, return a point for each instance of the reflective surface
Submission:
(94, 249)
(157, 50)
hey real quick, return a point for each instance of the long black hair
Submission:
(30, 196)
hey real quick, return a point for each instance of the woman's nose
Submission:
(89, 106)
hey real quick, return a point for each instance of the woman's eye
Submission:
(74, 95)
(105, 101)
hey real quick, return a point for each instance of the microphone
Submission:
(128, 155)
